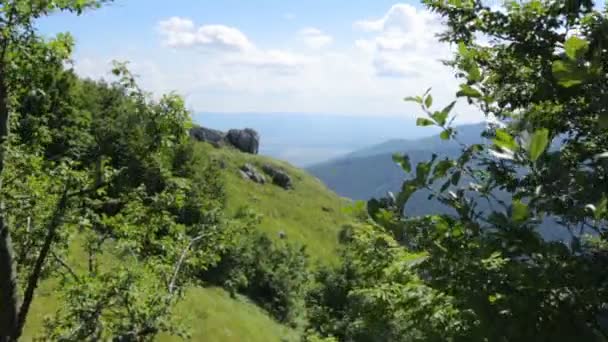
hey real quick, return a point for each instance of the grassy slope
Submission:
(210, 312)
(309, 214)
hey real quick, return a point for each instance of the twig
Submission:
(181, 261)
(65, 265)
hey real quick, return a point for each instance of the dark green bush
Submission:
(272, 273)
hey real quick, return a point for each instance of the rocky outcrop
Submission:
(249, 172)
(247, 140)
(212, 136)
(279, 177)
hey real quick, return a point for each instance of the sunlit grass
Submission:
(308, 214)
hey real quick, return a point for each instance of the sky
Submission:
(329, 57)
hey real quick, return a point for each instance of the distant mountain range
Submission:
(370, 173)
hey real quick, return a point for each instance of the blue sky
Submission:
(331, 57)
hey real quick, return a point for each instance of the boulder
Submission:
(246, 140)
(279, 177)
(212, 136)
(248, 171)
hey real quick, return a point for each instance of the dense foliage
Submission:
(104, 171)
(273, 274)
(537, 70)
(376, 295)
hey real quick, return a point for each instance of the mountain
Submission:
(308, 214)
(304, 139)
(371, 172)
(467, 134)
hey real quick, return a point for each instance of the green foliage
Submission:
(375, 295)
(503, 279)
(488, 275)
(538, 143)
(272, 273)
(105, 164)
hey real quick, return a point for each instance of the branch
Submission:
(181, 261)
(65, 265)
(32, 283)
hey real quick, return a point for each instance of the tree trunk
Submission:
(9, 297)
(32, 283)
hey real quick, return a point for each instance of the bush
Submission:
(272, 273)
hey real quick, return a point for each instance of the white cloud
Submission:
(394, 56)
(233, 46)
(182, 33)
(278, 60)
(404, 42)
(400, 17)
(315, 38)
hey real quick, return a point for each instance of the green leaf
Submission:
(424, 122)
(576, 47)
(407, 189)
(442, 168)
(505, 140)
(569, 74)
(462, 49)
(601, 208)
(422, 172)
(456, 177)
(519, 211)
(416, 99)
(468, 91)
(474, 72)
(446, 134)
(448, 108)
(439, 117)
(428, 102)
(404, 161)
(538, 143)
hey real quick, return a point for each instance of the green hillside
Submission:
(308, 214)
(211, 313)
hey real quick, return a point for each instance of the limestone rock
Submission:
(279, 177)
(212, 136)
(248, 171)
(247, 140)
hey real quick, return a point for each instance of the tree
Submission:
(536, 69)
(104, 171)
(374, 294)
(18, 36)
